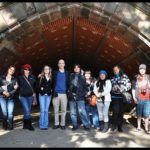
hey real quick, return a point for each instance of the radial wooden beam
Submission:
(74, 40)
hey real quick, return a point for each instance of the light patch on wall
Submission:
(84, 28)
(94, 32)
(83, 37)
(116, 38)
(64, 36)
(52, 31)
(64, 27)
(8, 45)
(56, 39)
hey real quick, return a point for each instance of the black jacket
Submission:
(24, 88)
(81, 89)
(44, 86)
(10, 86)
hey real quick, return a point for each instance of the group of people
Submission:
(62, 87)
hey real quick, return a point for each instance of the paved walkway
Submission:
(68, 138)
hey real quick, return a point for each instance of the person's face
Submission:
(26, 71)
(87, 75)
(142, 71)
(46, 70)
(77, 69)
(116, 70)
(61, 64)
(102, 76)
(11, 70)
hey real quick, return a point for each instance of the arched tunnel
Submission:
(95, 35)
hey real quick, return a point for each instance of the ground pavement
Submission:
(68, 138)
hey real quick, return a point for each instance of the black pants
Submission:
(118, 110)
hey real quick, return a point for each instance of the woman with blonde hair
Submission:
(45, 91)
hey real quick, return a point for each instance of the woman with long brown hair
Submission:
(45, 91)
(91, 109)
(8, 87)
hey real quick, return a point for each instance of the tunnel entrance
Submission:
(96, 35)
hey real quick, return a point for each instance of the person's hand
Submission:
(7, 94)
(15, 86)
(100, 95)
(135, 101)
(122, 89)
(4, 93)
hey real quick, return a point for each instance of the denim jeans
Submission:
(26, 104)
(103, 111)
(7, 107)
(94, 112)
(80, 106)
(44, 101)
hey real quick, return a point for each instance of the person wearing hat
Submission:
(26, 94)
(141, 96)
(120, 83)
(102, 89)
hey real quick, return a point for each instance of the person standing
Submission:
(91, 109)
(8, 88)
(141, 96)
(60, 88)
(102, 89)
(120, 83)
(77, 92)
(27, 86)
(45, 91)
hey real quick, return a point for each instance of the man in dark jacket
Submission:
(77, 93)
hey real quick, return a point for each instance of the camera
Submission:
(74, 90)
(143, 91)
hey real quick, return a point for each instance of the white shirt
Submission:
(107, 90)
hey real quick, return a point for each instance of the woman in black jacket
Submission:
(26, 94)
(45, 91)
(8, 87)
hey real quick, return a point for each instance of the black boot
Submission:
(11, 126)
(5, 124)
(101, 127)
(29, 123)
(114, 127)
(25, 125)
(106, 127)
(120, 128)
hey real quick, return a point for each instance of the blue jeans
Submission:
(7, 107)
(26, 104)
(94, 112)
(80, 106)
(44, 101)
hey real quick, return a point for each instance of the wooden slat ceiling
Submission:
(55, 40)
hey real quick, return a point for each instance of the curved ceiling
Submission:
(96, 35)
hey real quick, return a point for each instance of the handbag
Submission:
(34, 94)
(92, 100)
(127, 97)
